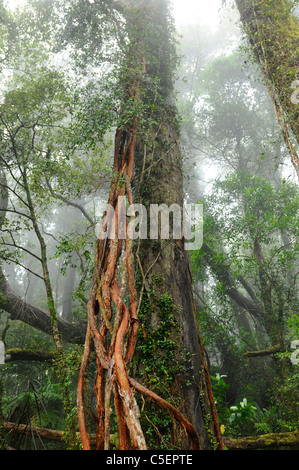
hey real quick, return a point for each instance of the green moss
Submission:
(157, 364)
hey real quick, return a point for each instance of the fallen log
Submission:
(45, 433)
(17, 354)
(272, 440)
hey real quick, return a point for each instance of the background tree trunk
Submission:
(273, 32)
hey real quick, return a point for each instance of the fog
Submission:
(75, 115)
(200, 12)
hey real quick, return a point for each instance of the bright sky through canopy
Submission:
(197, 11)
(185, 11)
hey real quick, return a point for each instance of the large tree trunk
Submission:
(167, 283)
(113, 325)
(167, 308)
(273, 32)
(148, 144)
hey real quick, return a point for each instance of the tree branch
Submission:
(37, 317)
(264, 352)
(223, 274)
(69, 203)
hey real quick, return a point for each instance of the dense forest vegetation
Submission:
(119, 334)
